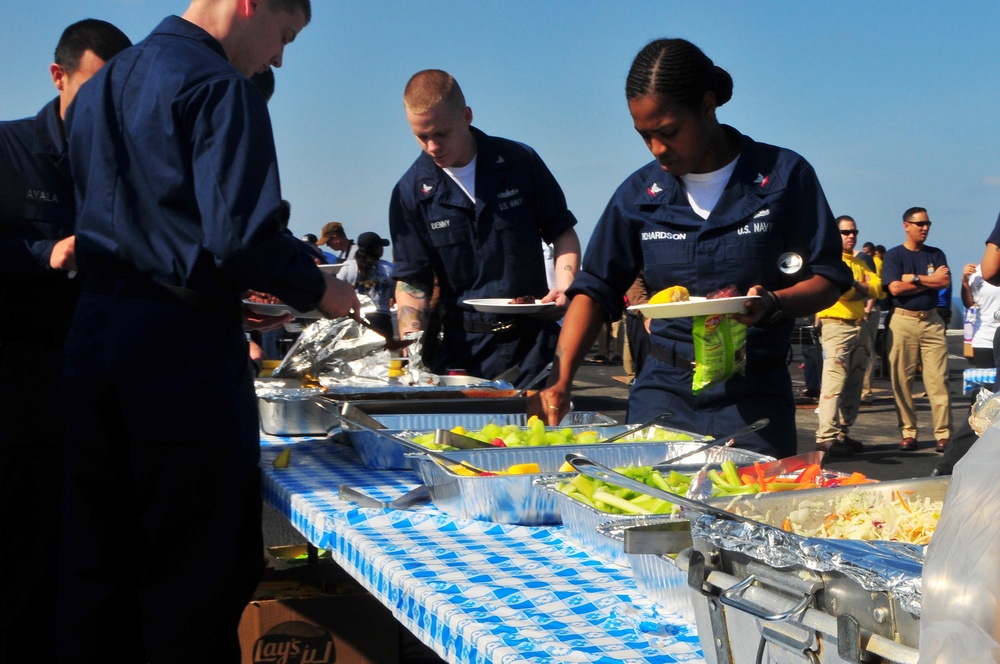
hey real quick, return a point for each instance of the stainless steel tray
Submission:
(515, 498)
(793, 615)
(876, 566)
(288, 409)
(857, 598)
(295, 412)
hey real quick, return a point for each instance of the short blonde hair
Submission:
(428, 88)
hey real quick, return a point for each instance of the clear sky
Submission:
(895, 104)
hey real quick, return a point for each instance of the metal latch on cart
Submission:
(779, 620)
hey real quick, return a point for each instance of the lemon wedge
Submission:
(281, 461)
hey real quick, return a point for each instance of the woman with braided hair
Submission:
(372, 276)
(715, 209)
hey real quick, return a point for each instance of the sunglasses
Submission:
(921, 224)
(853, 231)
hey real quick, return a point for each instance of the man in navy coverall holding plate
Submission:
(178, 198)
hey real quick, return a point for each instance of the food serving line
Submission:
(485, 573)
(486, 589)
(471, 590)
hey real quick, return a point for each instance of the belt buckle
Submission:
(502, 326)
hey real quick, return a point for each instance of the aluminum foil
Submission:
(891, 567)
(342, 351)
(278, 391)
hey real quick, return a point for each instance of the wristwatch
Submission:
(915, 279)
(775, 313)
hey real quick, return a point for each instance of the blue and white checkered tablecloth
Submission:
(474, 591)
(974, 379)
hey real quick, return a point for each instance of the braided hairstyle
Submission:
(678, 70)
(368, 260)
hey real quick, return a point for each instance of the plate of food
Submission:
(509, 305)
(676, 302)
(332, 268)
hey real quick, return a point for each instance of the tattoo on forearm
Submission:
(414, 290)
(409, 319)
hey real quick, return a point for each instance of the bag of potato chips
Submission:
(720, 350)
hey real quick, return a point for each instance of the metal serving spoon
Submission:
(724, 441)
(645, 425)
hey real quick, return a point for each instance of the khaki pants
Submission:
(920, 340)
(869, 330)
(845, 357)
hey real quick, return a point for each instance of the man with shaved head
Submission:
(470, 217)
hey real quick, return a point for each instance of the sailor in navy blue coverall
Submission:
(768, 203)
(37, 299)
(470, 215)
(178, 195)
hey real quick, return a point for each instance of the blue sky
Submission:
(894, 103)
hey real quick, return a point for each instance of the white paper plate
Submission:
(265, 309)
(696, 306)
(332, 269)
(500, 305)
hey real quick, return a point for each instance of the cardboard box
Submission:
(317, 614)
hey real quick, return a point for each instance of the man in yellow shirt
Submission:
(845, 355)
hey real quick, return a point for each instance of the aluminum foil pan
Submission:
(584, 524)
(651, 548)
(378, 450)
(876, 566)
(659, 579)
(516, 498)
(497, 498)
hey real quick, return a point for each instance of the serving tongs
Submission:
(447, 438)
(414, 496)
(416, 447)
(591, 468)
(391, 343)
(723, 441)
(662, 417)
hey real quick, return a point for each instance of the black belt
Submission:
(133, 287)
(675, 359)
(506, 326)
(671, 357)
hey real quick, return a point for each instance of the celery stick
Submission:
(584, 485)
(615, 501)
(657, 480)
(729, 472)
